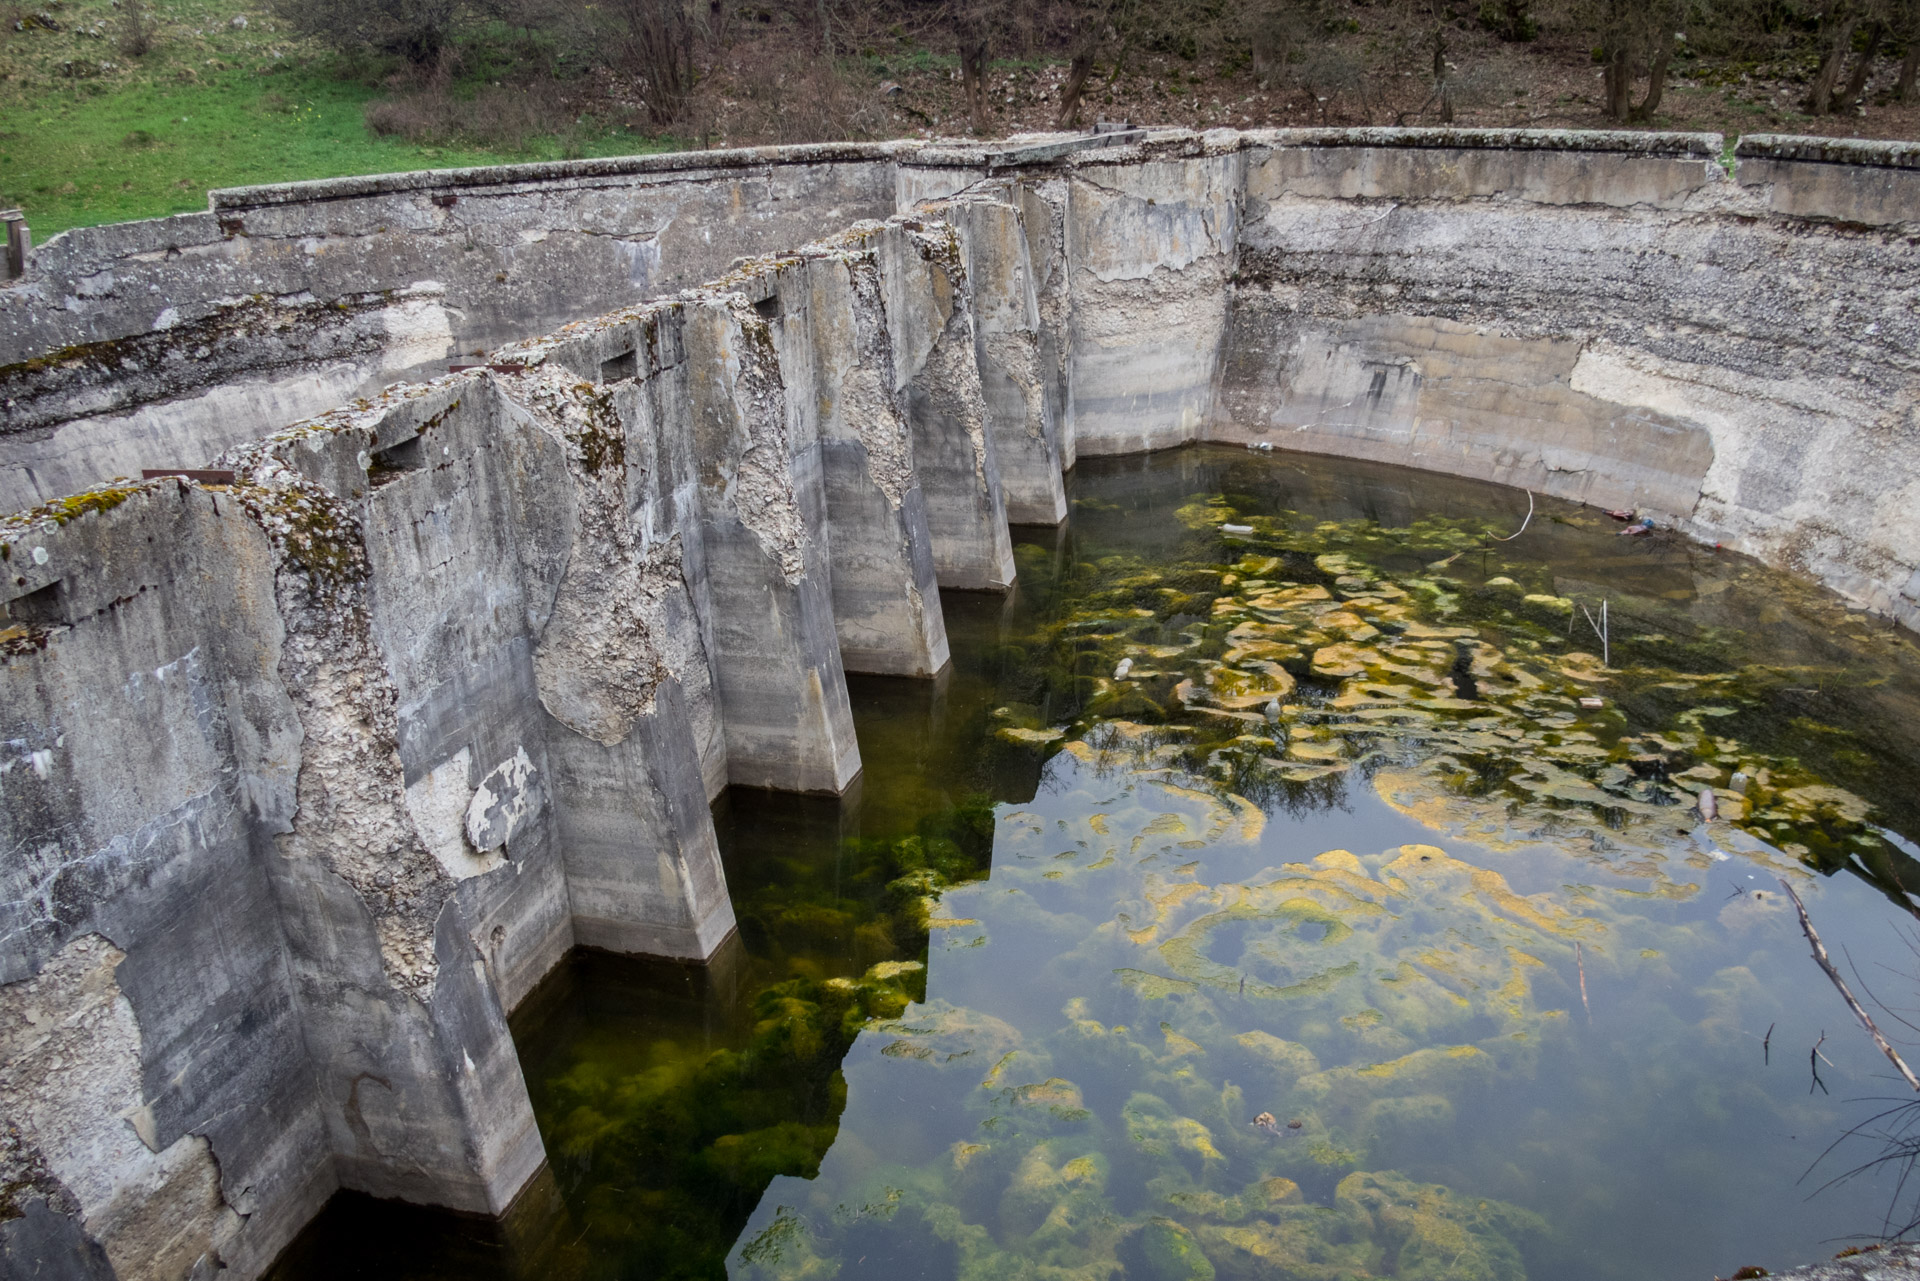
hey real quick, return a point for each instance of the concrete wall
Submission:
(1610, 318)
(142, 344)
(310, 775)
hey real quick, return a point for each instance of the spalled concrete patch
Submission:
(70, 1070)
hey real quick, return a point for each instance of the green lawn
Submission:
(211, 105)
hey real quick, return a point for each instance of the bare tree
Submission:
(1840, 22)
(1636, 38)
(136, 28)
(418, 30)
(978, 25)
(651, 44)
(1906, 17)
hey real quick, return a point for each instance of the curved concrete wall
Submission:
(313, 765)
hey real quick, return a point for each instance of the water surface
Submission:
(1332, 938)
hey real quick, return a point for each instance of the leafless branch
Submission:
(1826, 963)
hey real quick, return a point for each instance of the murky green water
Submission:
(1335, 939)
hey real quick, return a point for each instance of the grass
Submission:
(88, 135)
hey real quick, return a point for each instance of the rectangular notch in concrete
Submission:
(387, 464)
(41, 607)
(625, 365)
(768, 307)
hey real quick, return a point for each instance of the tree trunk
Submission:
(826, 29)
(1857, 82)
(1656, 83)
(1619, 84)
(1839, 41)
(973, 77)
(1076, 85)
(1909, 70)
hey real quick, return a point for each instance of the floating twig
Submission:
(1813, 1061)
(1766, 1047)
(1580, 962)
(1523, 524)
(1866, 1021)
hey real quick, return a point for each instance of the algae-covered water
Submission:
(1257, 896)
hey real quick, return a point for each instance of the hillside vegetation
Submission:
(114, 109)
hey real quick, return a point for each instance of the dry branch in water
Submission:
(1580, 961)
(1826, 963)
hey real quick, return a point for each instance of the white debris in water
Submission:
(1120, 672)
(1236, 529)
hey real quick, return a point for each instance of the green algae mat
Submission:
(1289, 880)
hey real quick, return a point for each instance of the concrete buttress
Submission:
(1016, 384)
(930, 323)
(838, 359)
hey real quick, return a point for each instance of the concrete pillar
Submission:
(419, 1081)
(1043, 217)
(924, 286)
(617, 645)
(767, 589)
(643, 866)
(838, 362)
(1013, 374)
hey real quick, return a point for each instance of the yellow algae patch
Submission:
(1177, 1044)
(1084, 1170)
(1053, 1093)
(1278, 1190)
(1252, 819)
(1517, 992)
(1164, 899)
(1427, 1230)
(1341, 660)
(893, 969)
(949, 922)
(994, 1073)
(1106, 860)
(1489, 885)
(1814, 797)
(1288, 1058)
(1367, 694)
(965, 1152)
(1347, 624)
(1582, 666)
(1098, 823)
(1195, 1137)
(1030, 737)
(1337, 891)
(1436, 1070)
(1153, 987)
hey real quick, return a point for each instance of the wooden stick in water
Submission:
(1826, 963)
(1581, 962)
